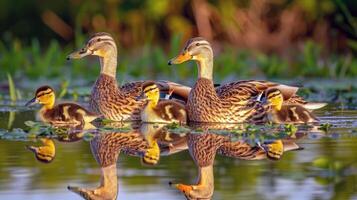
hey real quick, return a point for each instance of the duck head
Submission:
(274, 97)
(199, 50)
(102, 45)
(151, 92)
(44, 95)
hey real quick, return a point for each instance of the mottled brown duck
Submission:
(232, 102)
(118, 103)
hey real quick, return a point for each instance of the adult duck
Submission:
(107, 97)
(230, 103)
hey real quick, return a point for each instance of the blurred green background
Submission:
(251, 38)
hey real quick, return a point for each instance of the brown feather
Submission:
(68, 113)
(120, 103)
(293, 113)
(176, 111)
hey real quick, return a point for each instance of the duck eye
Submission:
(198, 44)
(98, 40)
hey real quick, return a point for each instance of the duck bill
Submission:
(183, 57)
(31, 148)
(79, 54)
(31, 102)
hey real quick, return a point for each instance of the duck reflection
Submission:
(203, 148)
(145, 142)
(46, 152)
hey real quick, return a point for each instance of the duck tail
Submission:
(175, 90)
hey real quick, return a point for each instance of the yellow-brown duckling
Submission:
(60, 114)
(164, 111)
(45, 153)
(285, 113)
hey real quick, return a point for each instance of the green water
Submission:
(326, 167)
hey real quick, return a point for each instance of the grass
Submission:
(12, 89)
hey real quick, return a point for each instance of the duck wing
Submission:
(175, 90)
(249, 89)
(133, 88)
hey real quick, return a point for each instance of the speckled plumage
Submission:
(207, 104)
(116, 103)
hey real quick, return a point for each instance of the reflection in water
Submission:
(204, 146)
(106, 147)
(45, 153)
(149, 141)
(325, 170)
(65, 133)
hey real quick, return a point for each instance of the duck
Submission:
(233, 102)
(281, 112)
(45, 153)
(161, 111)
(60, 114)
(115, 102)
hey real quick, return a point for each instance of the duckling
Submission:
(282, 113)
(164, 111)
(45, 153)
(228, 103)
(115, 102)
(64, 113)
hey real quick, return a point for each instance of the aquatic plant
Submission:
(12, 89)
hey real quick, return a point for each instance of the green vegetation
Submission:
(322, 43)
(151, 62)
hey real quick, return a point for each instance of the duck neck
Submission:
(109, 177)
(205, 175)
(205, 67)
(108, 64)
(153, 101)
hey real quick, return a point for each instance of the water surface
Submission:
(320, 165)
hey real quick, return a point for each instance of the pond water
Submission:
(135, 161)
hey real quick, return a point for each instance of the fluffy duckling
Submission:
(164, 111)
(45, 153)
(64, 113)
(282, 113)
